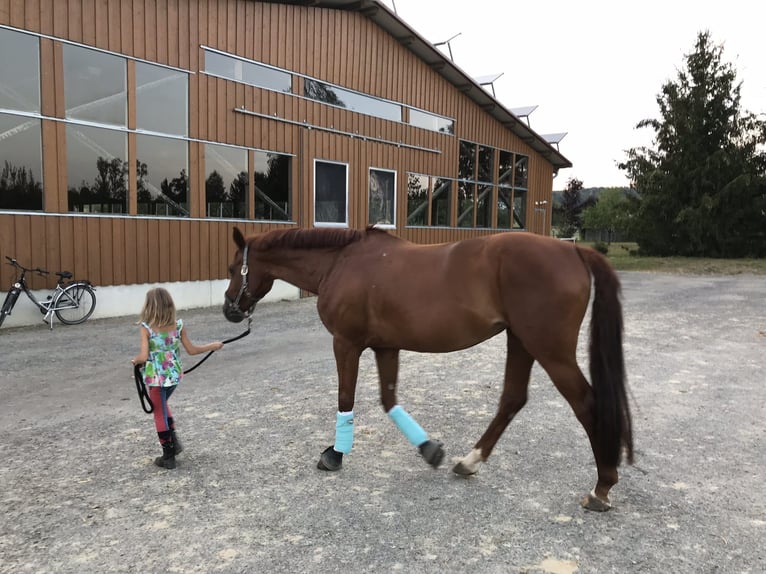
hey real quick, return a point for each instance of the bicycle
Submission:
(71, 301)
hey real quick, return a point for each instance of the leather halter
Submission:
(243, 288)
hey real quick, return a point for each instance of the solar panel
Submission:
(523, 112)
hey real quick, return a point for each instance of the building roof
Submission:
(379, 13)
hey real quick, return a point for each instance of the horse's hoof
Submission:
(432, 452)
(330, 459)
(463, 470)
(592, 502)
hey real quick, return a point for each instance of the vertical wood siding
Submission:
(336, 46)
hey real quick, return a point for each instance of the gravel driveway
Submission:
(79, 492)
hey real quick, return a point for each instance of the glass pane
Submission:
(20, 73)
(441, 203)
(223, 66)
(417, 199)
(247, 72)
(486, 161)
(484, 206)
(519, 209)
(352, 100)
(226, 185)
(163, 183)
(95, 86)
(161, 100)
(431, 122)
(504, 208)
(330, 193)
(264, 77)
(272, 187)
(382, 197)
(21, 164)
(467, 161)
(465, 192)
(97, 169)
(522, 171)
(505, 169)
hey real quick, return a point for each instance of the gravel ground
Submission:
(79, 492)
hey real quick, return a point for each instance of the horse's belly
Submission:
(440, 336)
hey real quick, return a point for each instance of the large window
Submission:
(512, 178)
(20, 71)
(20, 135)
(226, 181)
(418, 189)
(330, 194)
(163, 181)
(97, 169)
(429, 200)
(441, 202)
(382, 198)
(21, 164)
(95, 86)
(162, 100)
(272, 187)
(476, 185)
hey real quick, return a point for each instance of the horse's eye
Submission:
(231, 269)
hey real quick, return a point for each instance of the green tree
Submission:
(610, 213)
(569, 211)
(702, 186)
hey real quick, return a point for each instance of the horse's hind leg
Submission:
(517, 368)
(388, 371)
(571, 383)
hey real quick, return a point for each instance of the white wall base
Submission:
(127, 300)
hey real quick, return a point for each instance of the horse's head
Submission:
(247, 284)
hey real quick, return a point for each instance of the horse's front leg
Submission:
(388, 372)
(347, 361)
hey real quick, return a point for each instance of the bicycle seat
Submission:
(64, 274)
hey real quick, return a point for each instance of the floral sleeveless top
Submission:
(163, 368)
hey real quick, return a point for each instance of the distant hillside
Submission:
(588, 192)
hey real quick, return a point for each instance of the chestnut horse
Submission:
(381, 292)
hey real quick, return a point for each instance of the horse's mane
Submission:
(322, 238)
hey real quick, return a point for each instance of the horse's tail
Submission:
(613, 428)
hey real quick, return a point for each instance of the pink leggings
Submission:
(159, 397)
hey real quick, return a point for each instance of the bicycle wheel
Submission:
(75, 303)
(10, 301)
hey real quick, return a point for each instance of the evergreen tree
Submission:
(703, 187)
(569, 212)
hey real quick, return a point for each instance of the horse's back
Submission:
(453, 295)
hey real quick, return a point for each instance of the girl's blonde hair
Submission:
(159, 309)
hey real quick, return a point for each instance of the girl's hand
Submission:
(217, 345)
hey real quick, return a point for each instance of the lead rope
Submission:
(143, 394)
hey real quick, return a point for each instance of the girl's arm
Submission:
(143, 354)
(193, 349)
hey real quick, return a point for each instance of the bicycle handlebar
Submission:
(15, 263)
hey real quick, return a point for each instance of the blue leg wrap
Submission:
(412, 430)
(344, 432)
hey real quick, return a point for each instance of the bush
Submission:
(601, 247)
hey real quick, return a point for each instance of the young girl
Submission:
(161, 338)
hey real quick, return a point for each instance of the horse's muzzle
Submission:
(233, 313)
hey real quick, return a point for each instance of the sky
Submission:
(594, 68)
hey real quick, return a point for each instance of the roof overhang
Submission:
(379, 13)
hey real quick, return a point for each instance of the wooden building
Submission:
(135, 134)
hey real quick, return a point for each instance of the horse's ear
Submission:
(239, 239)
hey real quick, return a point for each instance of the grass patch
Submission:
(624, 258)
